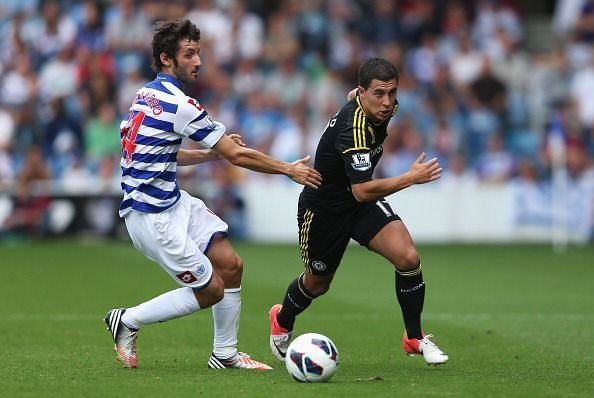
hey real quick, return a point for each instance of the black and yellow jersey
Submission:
(347, 153)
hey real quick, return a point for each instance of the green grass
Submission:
(516, 321)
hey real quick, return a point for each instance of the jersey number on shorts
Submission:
(129, 134)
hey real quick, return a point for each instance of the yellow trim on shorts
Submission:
(304, 236)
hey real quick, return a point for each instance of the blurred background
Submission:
(501, 91)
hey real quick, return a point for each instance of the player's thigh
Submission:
(323, 239)
(381, 230)
(209, 233)
(163, 238)
(394, 242)
(203, 225)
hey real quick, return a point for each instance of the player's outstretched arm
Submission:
(188, 157)
(252, 159)
(419, 173)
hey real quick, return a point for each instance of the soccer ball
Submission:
(312, 358)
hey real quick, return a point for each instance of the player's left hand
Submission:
(304, 175)
(237, 139)
(214, 155)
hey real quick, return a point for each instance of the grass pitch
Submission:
(516, 321)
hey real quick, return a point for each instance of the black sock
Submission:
(296, 301)
(410, 292)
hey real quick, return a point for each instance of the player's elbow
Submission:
(362, 198)
(360, 194)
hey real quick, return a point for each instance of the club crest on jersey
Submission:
(361, 161)
(201, 269)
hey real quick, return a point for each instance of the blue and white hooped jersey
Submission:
(160, 116)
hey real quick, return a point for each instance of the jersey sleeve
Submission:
(192, 121)
(352, 144)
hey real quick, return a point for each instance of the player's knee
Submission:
(236, 268)
(320, 290)
(317, 288)
(409, 260)
(232, 272)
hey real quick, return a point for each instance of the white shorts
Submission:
(177, 239)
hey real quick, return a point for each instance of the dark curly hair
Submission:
(376, 68)
(167, 37)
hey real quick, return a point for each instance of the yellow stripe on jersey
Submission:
(359, 125)
(359, 129)
(411, 272)
(355, 149)
(304, 236)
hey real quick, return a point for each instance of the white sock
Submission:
(170, 305)
(226, 323)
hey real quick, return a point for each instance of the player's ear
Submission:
(165, 60)
(360, 90)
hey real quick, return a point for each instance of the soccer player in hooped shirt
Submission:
(350, 204)
(168, 225)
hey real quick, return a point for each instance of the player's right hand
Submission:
(425, 172)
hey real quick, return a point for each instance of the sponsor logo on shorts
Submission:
(361, 161)
(187, 277)
(318, 265)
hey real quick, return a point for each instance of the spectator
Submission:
(6, 161)
(101, 135)
(90, 33)
(465, 63)
(581, 88)
(29, 207)
(457, 176)
(131, 80)
(19, 85)
(58, 76)
(247, 33)
(496, 165)
(51, 32)
(63, 141)
(488, 89)
(127, 32)
(215, 30)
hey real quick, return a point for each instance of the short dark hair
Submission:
(167, 37)
(376, 68)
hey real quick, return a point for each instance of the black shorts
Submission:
(323, 237)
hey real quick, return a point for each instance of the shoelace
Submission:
(427, 339)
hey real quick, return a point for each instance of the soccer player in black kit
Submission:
(350, 204)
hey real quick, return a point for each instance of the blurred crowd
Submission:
(470, 91)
